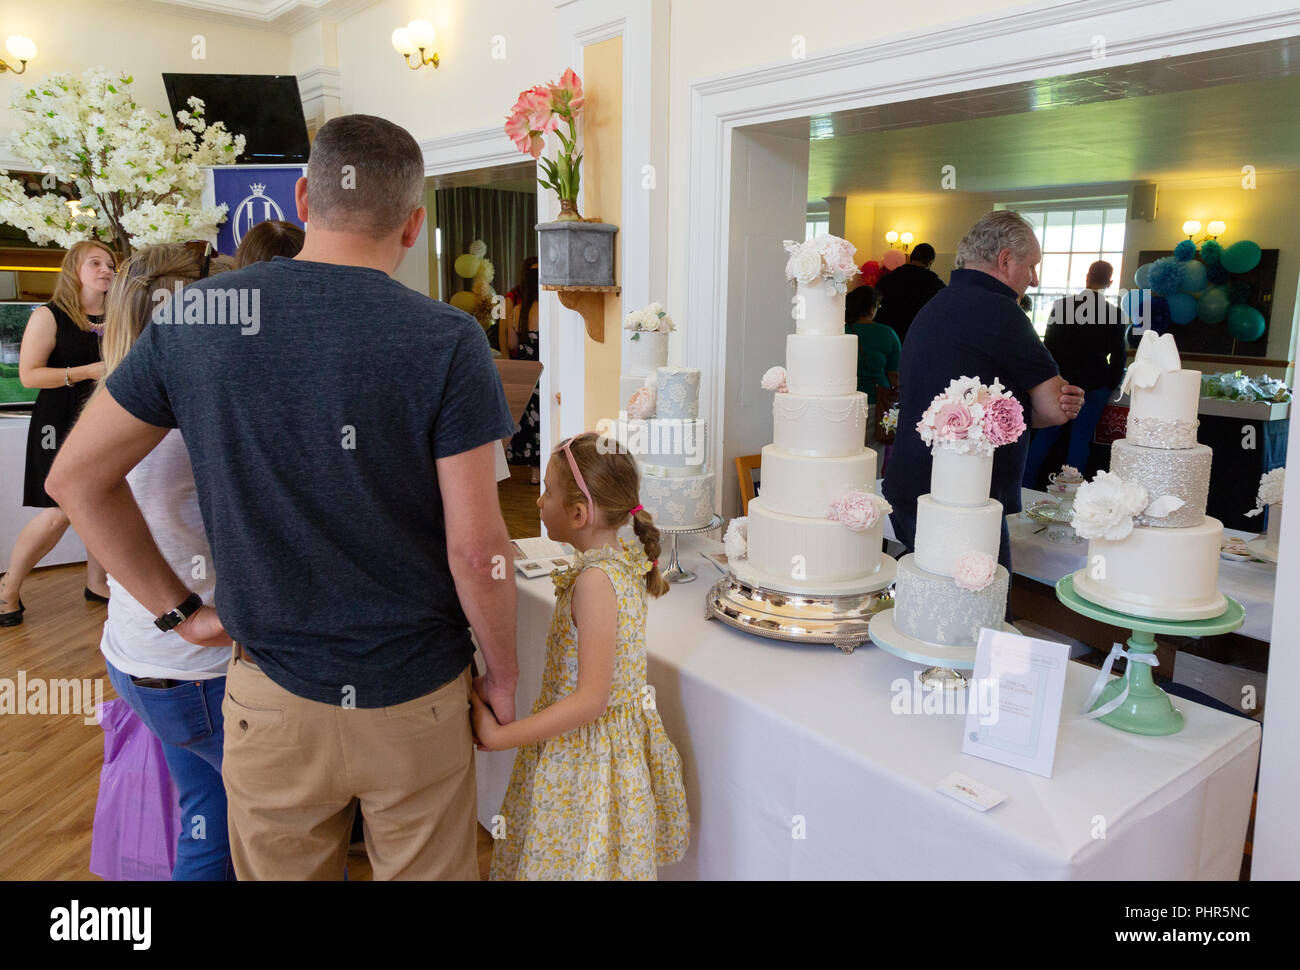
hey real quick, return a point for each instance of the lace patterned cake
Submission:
(645, 348)
(951, 585)
(1152, 550)
(816, 525)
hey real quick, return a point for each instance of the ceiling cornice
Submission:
(282, 16)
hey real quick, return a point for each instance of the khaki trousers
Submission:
(295, 770)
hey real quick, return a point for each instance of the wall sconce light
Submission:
(416, 37)
(891, 237)
(1216, 228)
(1191, 227)
(22, 49)
(906, 240)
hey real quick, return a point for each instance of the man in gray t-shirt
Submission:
(343, 431)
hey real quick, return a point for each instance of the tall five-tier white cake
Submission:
(816, 525)
(1152, 551)
(952, 584)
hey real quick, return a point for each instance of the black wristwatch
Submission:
(174, 618)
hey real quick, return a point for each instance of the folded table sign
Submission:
(137, 816)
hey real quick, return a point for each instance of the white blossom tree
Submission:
(137, 173)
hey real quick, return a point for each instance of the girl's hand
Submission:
(487, 732)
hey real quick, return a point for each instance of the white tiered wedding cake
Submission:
(1152, 551)
(816, 525)
(952, 584)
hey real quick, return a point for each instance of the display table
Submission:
(776, 735)
(13, 515)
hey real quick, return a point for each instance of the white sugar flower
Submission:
(736, 539)
(1104, 508)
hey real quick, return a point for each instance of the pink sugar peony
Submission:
(1004, 420)
(858, 511)
(974, 570)
(953, 421)
(641, 405)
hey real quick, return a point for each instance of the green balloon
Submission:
(1241, 257)
(1245, 322)
(1213, 305)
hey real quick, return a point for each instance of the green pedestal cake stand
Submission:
(1147, 709)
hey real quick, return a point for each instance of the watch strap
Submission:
(174, 618)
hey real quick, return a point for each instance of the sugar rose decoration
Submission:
(971, 417)
(858, 511)
(649, 319)
(1104, 508)
(974, 570)
(736, 539)
(774, 380)
(641, 405)
(824, 257)
(1271, 487)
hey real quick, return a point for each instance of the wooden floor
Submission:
(49, 765)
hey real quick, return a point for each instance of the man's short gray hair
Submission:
(364, 174)
(996, 231)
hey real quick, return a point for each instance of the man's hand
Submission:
(203, 628)
(486, 726)
(499, 694)
(1071, 401)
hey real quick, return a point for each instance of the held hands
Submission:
(204, 628)
(487, 729)
(1071, 401)
(498, 694)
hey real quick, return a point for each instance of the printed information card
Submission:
(1023, 679)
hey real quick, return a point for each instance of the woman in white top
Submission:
(174, 686)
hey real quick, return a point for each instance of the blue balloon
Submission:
(1241, 257)
(1194, 276)
(1245, 322)
(1182, 308)
(1143, 276)
(1136, 305)
(1213, 305)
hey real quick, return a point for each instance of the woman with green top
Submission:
(878, 350)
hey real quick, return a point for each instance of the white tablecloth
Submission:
(1036, 557)
(769, 731)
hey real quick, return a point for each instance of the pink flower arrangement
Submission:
(970, 417)
(825, 257)
(1004, 420)
(774, 380)
(541, 109)
(858, 511)
(641, 405)
(974, 570)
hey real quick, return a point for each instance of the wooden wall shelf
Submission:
(588, 301)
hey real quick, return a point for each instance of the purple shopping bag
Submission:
(137, 817)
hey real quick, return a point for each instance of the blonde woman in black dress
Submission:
(60, 356)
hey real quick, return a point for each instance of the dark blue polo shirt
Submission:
(971, 328)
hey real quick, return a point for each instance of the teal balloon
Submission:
(1182, 308)
(1245, 322)
(1241, 257)
(1212, 307)
(1194, 277)
(1143, 276)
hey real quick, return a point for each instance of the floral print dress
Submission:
(606, 800)
(525, 447)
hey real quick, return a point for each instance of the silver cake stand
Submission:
(675, 572)
(841, 620)
(945, 663)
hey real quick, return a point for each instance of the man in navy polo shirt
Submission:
(974, 328)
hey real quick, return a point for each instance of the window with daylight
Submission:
(1074, 234)
(819, 223)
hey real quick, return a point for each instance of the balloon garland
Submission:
(1196, 284)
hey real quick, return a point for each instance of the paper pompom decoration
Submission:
(1166, 276)
(1217, 274)
(466, 265)
(870, 272)
(1185, 250)
(1194, 276)
(1238, 292)
(1211, 252)
(478, 248)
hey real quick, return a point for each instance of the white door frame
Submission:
(1042, 39)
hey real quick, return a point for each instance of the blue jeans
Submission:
(187, 720)
(1081, 428)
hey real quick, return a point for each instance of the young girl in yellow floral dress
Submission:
(596, 791)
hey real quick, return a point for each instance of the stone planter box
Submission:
(575, 253)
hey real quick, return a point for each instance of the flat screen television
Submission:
(265, 108)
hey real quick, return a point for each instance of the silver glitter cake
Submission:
(1181, 472)
(1159, 433)
(934, 609)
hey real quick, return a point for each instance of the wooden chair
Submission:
(746, 465)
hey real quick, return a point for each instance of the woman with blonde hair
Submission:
(174, 686)
(60, 356)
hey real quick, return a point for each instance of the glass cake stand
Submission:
(1147, 709)
(675, 572)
